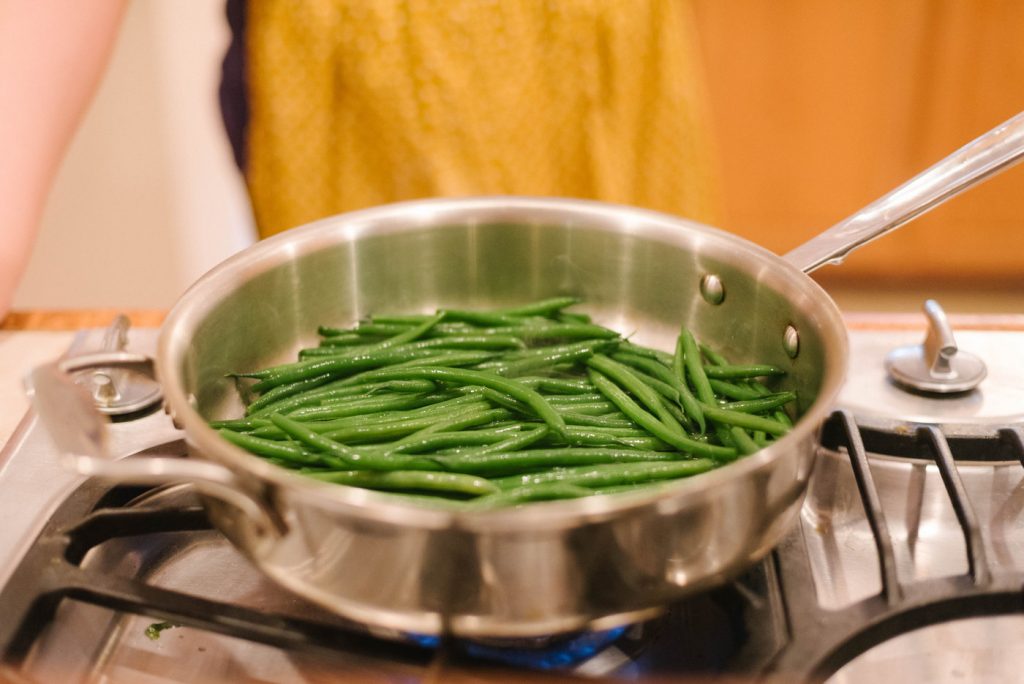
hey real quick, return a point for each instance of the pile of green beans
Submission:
(482, 409)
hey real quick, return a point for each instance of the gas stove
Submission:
(908, 559)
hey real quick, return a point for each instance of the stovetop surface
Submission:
(843, 574)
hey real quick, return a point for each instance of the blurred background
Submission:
(818, 108)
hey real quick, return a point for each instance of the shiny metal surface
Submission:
(33, 480)
(985, 156)
(880, 404)
(542, 569)
(937, 364)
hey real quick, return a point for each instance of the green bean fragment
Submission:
(733, 372)
(482, 378)
(732, 390)
(610, 474)
(282, 392)
(509, 462)
(346, 456)
(650, 423)
(288, 452)
(761, 405)
(360, 407)
(628, 380)
(687, 348)
(744, 442)
(547, 491)
(335, 390)
(673, 378)
(409, 480)
(746, 420)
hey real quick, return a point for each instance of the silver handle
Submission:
(985, 156)
(80, 432)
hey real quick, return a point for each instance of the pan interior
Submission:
(638, 273)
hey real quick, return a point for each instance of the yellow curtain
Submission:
(361, 102)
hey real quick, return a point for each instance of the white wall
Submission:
(148, 197)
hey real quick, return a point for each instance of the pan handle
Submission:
(999, 149)
(80, 433)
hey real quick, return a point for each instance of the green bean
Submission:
(491, 464)
(572, 418)
(745, 420)
(628, 380)
(333, 366)
(546, 357)
(482, 318)
(445, 439)
(733, 372)
(674, 377)
(409, 480)
(239, 424)
(610, 474)
(402, 428)
(744, 443)
(571, 399)
(548, 491)
(515, 442)
(733, 391)
(650, 423)
(712, 356)
(285, 391)
(336, 391)
(421, 417)
(768, 403)
(282, 451)
(655, 354)
(593, 408)
(348, 457)
(482, 378)
(452, 342)
(407, 403)
(340, 337)
(453, 422)
(559, 331)
(346, 406)
(455, 358)
(687, 348)
(544, 307)
(567, 386)
(411, 334)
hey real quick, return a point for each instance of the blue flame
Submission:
(547, 654)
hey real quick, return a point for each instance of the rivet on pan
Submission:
(712, 289)
(791, 341)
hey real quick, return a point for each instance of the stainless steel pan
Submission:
(545, 568)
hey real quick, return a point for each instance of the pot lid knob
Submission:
(936, 365)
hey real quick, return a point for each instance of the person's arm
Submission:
(52, 56)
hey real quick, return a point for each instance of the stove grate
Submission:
(822, 641)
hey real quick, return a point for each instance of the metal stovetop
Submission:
(941, 544)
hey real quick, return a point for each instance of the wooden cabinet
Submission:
(820, 107)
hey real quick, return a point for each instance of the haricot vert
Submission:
(503, 407)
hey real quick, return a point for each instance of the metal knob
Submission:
(116, 390)
(936, 365)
